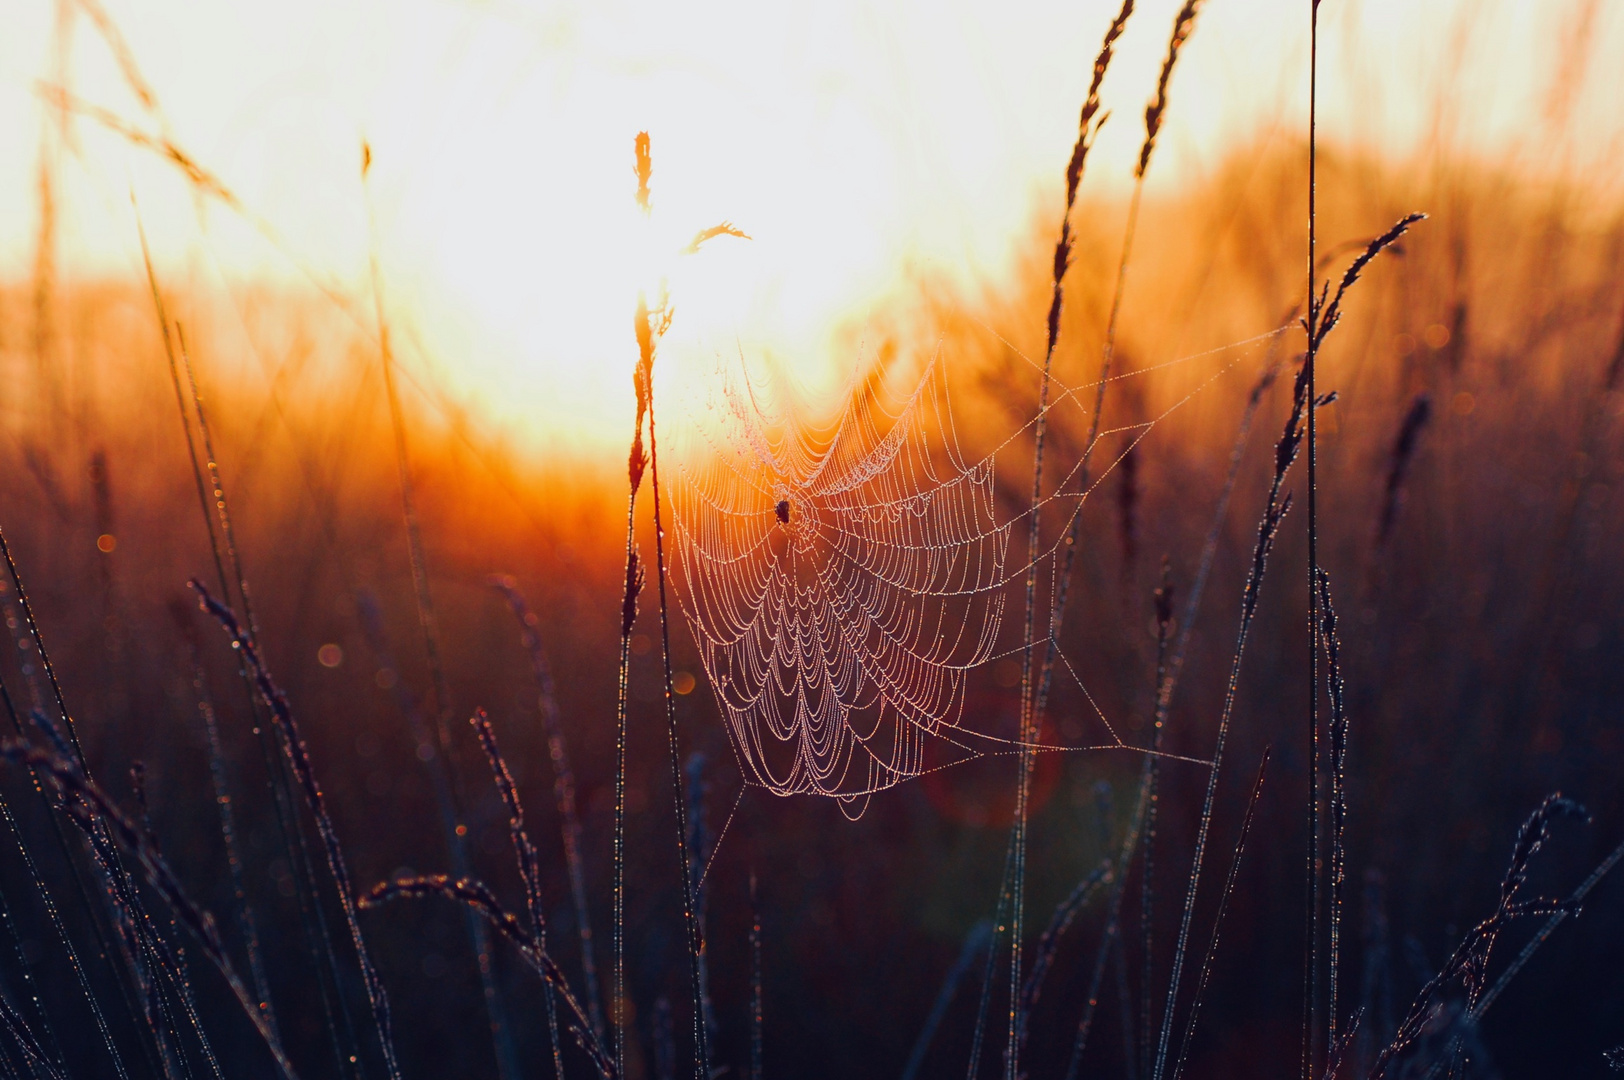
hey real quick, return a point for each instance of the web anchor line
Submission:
(843, 576)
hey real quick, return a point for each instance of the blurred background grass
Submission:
(1480, 381)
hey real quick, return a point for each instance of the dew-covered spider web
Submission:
(843, 575)
(840, 581)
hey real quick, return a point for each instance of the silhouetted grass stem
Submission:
(83, 797)
(477, 898)
(1030, 721)
(299, 758)
(563, 790)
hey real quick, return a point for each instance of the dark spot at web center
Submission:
(782, 510)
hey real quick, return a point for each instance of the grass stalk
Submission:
(1049, 942)
(50, 1049)
(979, 938)
(689, 909)
(1275, 509)
(441, 765)
(90, 803)
(636, 464)
(212, 503)
(1030, 721)
(74, 752)
(529, 865)
(299, 758)
(649, 326)
(1339, 809)
(478, 899)
(1311, 870)
(1163, 602)
(563, 789)
(52, 913)
(1218, 919)
(1468, 964)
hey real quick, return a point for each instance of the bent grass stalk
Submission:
(73, 751)
(1468, 963)
(524, 853)
(445, 778)
(53, 914)
(1049, 942)
(477, 898)
(85, 799)
(563, 787)
(1275, 510)
(299, 758)
(313, 920)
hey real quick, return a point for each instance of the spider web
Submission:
(842, 577)
(840, 580)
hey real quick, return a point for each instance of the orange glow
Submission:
(855, 142)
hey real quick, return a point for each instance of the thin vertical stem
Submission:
(563, 790)
(1013, 894)
(689, 911)
(1339, 796)
(298, 755)
(1311, 862)
(62, 842)
(313, 920)
(628, 619)
(1218, 919)
(445, 778)
(228, 833)
(636, 461)
(51, 910)
(617, 945)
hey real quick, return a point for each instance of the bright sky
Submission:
(850, 138)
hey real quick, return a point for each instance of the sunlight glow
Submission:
(856, 142)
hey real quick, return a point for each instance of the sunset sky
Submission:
(851, 139)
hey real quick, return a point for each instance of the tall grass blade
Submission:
(478, 899)
(213, 505)
(1030, 720)
(88, 803)
(529, 865)
(299, 758)
(563, 787)
(1218, 919)
(441, 766)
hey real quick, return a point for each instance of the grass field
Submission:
(376, 543)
